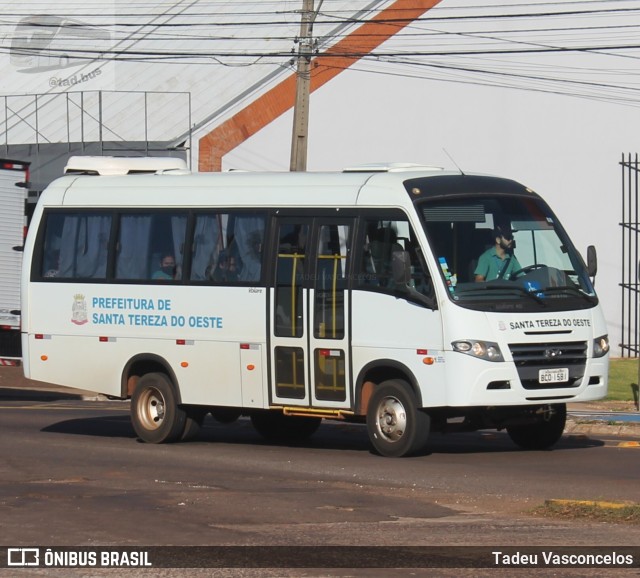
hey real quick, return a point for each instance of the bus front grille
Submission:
(530, 358)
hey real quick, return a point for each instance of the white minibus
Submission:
(408, 298)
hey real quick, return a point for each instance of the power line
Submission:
(325, 17)
(475, 46)
(151, 55)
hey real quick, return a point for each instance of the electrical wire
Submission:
(467, 41)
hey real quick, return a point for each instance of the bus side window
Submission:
(133, 247)
(382, 239)
(249, 239)
(227, 248)
(145, 240)
(290, 269)
(76, 245)
(331, 281)
(207, 244)
(380, 242)
(51, 248)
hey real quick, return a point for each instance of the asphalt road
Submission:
(73, 473)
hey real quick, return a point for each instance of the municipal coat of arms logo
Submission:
(79, 310)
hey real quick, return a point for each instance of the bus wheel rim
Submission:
(152, 409)
(392, 419)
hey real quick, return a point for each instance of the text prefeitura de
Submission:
(134, 303)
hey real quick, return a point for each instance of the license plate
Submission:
(560, 375)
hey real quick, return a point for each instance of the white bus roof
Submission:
(180, 188)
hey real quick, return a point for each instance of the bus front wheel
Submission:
(155, 414)
(543, 433)
(396, 426)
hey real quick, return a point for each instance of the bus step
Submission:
(315, 412)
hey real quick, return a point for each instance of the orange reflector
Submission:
(184, 364)
(428, 361)
(44, 357)
(251, 367)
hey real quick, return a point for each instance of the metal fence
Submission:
(630, 165)
(45, 129)
(94, 116)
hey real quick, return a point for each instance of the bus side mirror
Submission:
(401, 267)
(592, 261)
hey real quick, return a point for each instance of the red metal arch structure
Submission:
(269, 106)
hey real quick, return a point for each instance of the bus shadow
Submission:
(496, 442)
(17, 394)
(240, 432)
(330, 436)
(110, 426)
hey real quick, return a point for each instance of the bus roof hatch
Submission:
(390, 168)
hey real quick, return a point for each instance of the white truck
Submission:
(14, 178)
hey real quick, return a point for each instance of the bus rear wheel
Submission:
(155, 414)
(542, 434)
(396, 426)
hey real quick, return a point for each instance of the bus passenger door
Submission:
(308, 311)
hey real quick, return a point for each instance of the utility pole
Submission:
(303, 84)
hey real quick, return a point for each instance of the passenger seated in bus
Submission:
(227, 269)
(498, 262)
(54, 259)
(167, 269)
(381, 248)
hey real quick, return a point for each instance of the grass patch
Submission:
(617, 512)
(622, 374)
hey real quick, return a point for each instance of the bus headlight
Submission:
(486, 350)
(601, 346)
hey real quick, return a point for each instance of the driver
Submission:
(498, 262)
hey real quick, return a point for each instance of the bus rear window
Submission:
(76, 245)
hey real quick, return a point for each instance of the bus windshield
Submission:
(500, 252)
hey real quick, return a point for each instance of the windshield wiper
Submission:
(501, 286)
(570, 289)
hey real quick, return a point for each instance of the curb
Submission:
(590, 503)
(580, 426)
